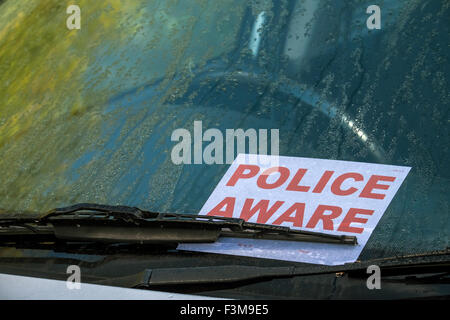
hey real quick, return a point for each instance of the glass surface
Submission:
(87, 115)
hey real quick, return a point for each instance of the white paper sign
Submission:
(329, 196)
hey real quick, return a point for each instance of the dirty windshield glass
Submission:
(91, 104)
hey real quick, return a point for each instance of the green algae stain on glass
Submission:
(48, 116)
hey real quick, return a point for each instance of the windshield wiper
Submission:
(121, 224)
(425, 269)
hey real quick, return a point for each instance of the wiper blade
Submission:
(122, 224)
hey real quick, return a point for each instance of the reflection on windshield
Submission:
(87, 115)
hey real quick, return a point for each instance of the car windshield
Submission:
(88, 113)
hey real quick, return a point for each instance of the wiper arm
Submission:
(122, 224)
(241, 274)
